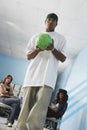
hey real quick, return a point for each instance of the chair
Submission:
(5, 106)
(4, 109)
(52, 123)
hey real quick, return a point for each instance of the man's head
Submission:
(52, 15)
(62, 94)
(51, 22)
(63, 91)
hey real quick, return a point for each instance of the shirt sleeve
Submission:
(64, 47)
(61, 109)
(31, 44)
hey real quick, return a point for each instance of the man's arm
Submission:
(61, 109)
(33, 54)
(55, 52)
(58, 55)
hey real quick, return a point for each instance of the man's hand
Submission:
(51, 46)
(39, 49)
(34, 53)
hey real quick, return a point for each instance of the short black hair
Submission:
(52, 15)
(63, 91)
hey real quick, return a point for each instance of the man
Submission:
(59, 106)
(56, 110)
(41, 77)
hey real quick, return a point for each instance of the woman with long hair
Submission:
(7, 97)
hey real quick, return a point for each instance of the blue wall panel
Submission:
(14, 66)
(75, 117)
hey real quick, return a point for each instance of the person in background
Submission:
(7, 97)
(57, 109)
(41, 75)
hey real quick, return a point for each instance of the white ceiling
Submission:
(20, 19)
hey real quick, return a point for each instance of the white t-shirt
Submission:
(42, 70)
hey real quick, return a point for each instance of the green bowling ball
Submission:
(44, 40)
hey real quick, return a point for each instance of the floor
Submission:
(5, 127)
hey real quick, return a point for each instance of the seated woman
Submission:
(7, 97)
(58, 107)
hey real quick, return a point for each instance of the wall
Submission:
(14, 66)
(74, 80)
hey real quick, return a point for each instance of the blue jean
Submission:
(14, 102)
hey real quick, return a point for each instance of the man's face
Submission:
(50, 24)
(61, 96)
